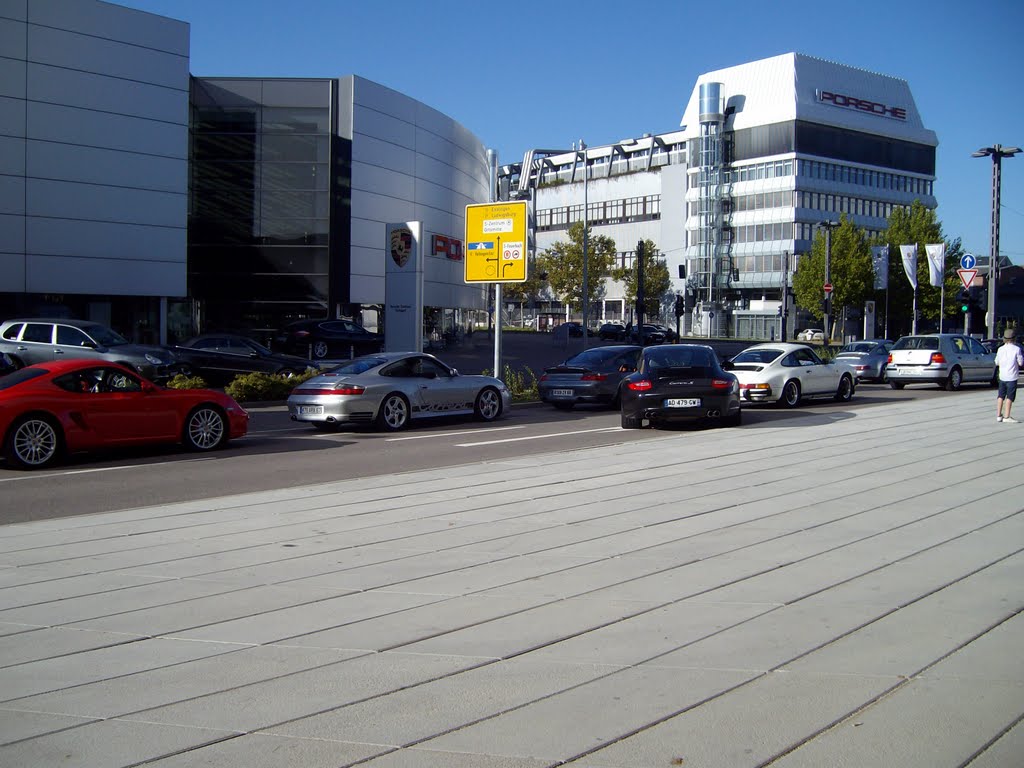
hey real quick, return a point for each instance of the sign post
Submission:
(496, 253)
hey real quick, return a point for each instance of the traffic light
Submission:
(680, 306)
(826, 305)
(965, 301)
(690, 300)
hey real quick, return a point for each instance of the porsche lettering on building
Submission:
(862, 105)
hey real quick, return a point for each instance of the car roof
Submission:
(63, 320)
(57, 367)
(788, 346)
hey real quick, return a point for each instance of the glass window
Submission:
(11, 334)
(71, 336)
(40, 333)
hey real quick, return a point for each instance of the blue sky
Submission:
(545, 74)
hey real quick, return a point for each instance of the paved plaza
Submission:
(843, 590)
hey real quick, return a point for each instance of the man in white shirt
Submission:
(1009, 359)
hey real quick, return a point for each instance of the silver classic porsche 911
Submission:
(391, 388)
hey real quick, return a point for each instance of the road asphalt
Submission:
(844, 593)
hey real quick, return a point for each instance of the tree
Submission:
(563, 262)
(657, 281)
(920, 226)
(850, 271)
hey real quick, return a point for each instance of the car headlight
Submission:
(153, 359)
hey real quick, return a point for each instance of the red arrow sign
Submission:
(827, 287)
(967, 276)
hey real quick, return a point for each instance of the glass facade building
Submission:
(268, 194)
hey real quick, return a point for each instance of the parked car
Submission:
(868, 358)
(327, 339)
(220, 357)
(6, 364)
(787, 373)
(390, 389)
(568, 330)
(811, 334)
(670, 335)
(592, 376)
(42, 340)
(992, 345)
(612, 332)
(680, 382)
(64, 406)
(946, 359)
(648, 334)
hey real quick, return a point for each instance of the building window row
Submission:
(757, 202)
(756, 233)
(844, 174)
(854, 206)
(762, 262)
(772, 170)
(630, 209)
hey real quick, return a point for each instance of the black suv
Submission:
(39, 340)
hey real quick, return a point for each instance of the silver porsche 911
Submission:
(391, 388)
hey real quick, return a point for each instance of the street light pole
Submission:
(586, 285)
(828, 226)
(998, 152)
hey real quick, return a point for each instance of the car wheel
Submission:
(896, 384)
(286, 373)
(320, 350)
(630, 422)
(995, 379)
(734, 420)
(790, 394)
(884, 378)
(956, 378)
(488, 404)
(394, 413)
(206, 429)
(33, 442)
(18, 364)
(845, 391)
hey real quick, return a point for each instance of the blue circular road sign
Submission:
(968, 261)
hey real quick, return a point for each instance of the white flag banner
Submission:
(909, 254)
(936, 263)
(880, 261)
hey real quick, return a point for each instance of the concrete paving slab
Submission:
(50, 642)
(16, 725)
(260, 750)
(425, 758)
(407, 717)
(1005, 751)
(414, 624)
(577, 720)
(146, 689)
(106, 744)
(89, 666)
(264, 704)
(928, 723)
(278, 625)
(746, 727)
(235, 605)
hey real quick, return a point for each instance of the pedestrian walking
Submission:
(1009, 359)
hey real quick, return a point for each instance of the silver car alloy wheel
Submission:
(35, 442)
(320, 349)
(206, 429)
(488, 404)
(394, 412)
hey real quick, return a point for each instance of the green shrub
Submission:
(181, 381)
(251, 387)
(522, 384)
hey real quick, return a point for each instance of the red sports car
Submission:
(80, 405)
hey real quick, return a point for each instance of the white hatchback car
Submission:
(946, 359)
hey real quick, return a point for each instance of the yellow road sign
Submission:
(496, 242)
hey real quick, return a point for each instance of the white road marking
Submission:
(450, 434)
(70, 472)
(537, 437)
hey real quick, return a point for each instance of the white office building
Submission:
(765, 152)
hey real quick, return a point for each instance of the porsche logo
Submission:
(401, 245)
